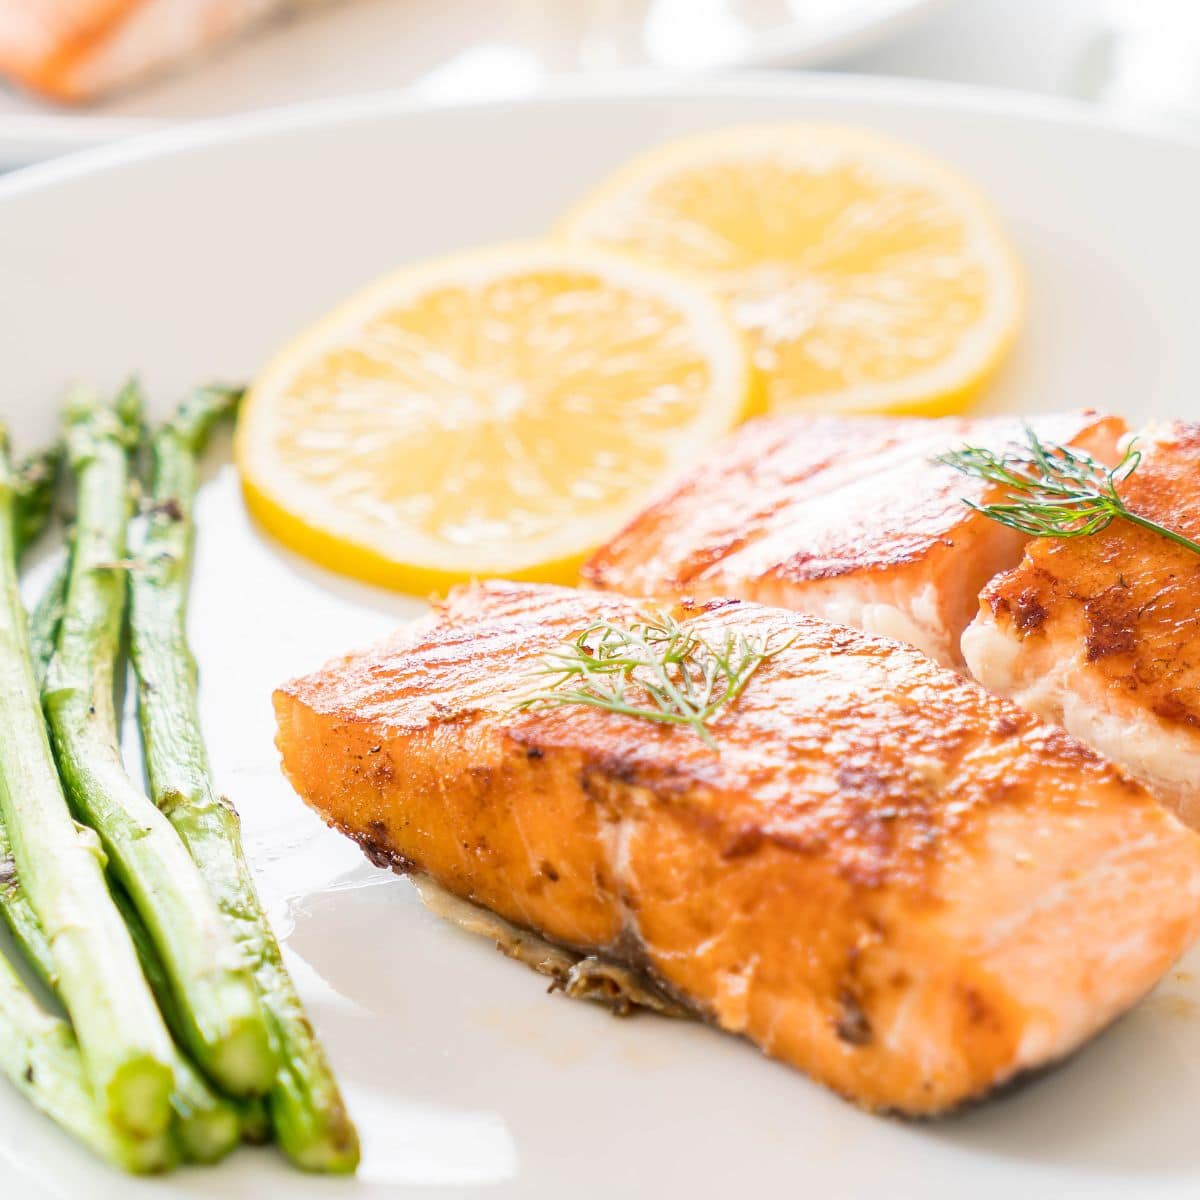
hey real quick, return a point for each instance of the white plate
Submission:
(460, 50)
(194, 255)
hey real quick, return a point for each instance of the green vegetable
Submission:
(654, 668)
(31, 514)
(255, 1117)
(45, 620)
(1055, 491)
(208, 1126)
(36, 483)
(40, 1056)
(223, 1024)
(124, 1047)
(306, 1108)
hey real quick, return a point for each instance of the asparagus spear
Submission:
(35, 486)
(125, 1046)
(226, 1031)
(45, 620)
(255, 1116)
(39, 1054)
(32, 500)
(201, 1115)
(22, 920)
(208, 1125)
(310, 1119)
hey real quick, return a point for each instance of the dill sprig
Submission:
(1055, 491)
(654, 668)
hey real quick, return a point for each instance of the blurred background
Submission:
(74, 79)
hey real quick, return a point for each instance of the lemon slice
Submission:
(499, 413)
(867, 276)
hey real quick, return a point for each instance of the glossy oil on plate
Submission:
(459, 50)
(192, 256)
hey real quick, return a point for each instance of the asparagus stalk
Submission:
(39, 1054)
(45, 620)
(22, 920)
(14, 903)
(255, 1116)
(224, 1026)
(309, 1116)
(124, 1045)
(202, 1117)
(208, 1125)
(36, 483)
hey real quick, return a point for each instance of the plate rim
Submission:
(164, 140)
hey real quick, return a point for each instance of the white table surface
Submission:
(1053, 47)
(1032, 45)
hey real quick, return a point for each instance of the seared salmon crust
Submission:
(848, 518)
(1102, 633)
(907, 888)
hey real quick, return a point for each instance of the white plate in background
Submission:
(457, 50)
(192, 255)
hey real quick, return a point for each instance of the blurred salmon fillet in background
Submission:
(1102, 633)
(906, 887)
(75, 50)
(848, 518)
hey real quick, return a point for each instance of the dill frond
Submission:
(1055, 491)
(655, 668)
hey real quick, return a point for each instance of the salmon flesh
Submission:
(848, 518)
(907, 888)
(1102, 633)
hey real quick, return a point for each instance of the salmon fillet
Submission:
(77, 49)
(847, 518)
(905, 887)
(1102, 634)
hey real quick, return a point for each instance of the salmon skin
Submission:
(849, 518)
(1102, 633)
(907, 888)
(75, 50)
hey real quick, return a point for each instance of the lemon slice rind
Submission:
(303, 518)
(946, 386)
